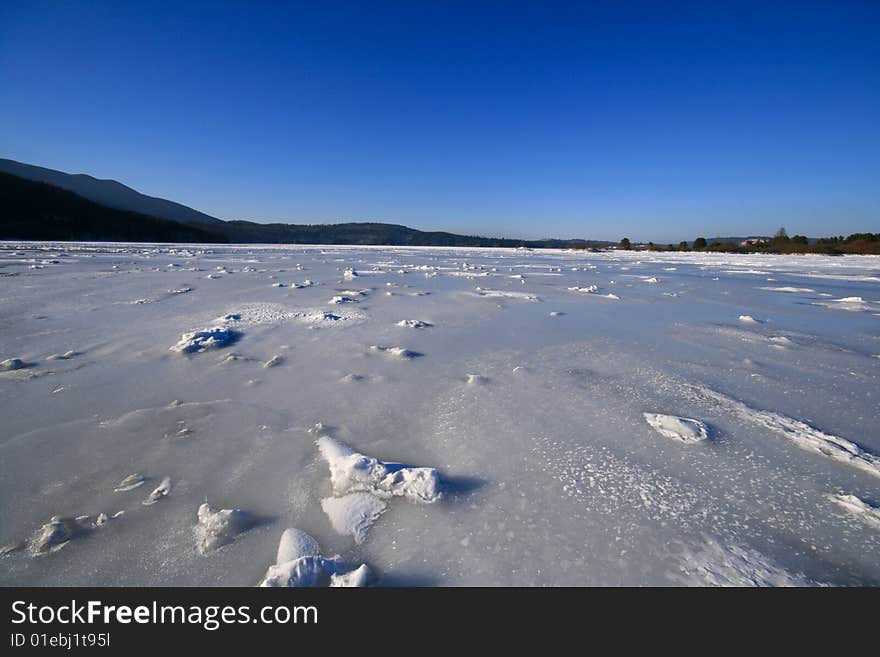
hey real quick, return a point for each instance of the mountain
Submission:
(108, 192)
(43, 209)
(32, 210)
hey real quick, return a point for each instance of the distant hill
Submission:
(108, 192)
(37, 210)
(32, 210)
(369, 233)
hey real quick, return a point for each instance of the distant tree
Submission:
(650, 246)
(781, 235)
(669, 247)
(700, 243)
(682, 246)
(800, 239)
(716, 244)
(625, 244)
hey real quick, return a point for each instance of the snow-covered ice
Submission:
(556, 414)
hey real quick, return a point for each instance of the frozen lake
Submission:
(148, 379)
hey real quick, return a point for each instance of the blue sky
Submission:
(654, 120)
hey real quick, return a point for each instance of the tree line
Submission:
(781, 242)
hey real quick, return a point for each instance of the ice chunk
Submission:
(159, 492)
(683, 429)
(315, 571)
(11, 364)
(275, 360)
(396, 352)
(358, 578)
(299, 563)
(212, 338)
(131, 482)
(351, 471)
(218, 528)
(59, 531)
(413, 323)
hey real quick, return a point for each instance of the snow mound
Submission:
(212, 338)
(218, 528)
(801, 434)
(395, 352)
(506, 294)
(789, 290)
(11, 364)
(589, 289)
(352, 472)
(353, 514)
(858, 507)
(65, 356)
(274, 361)
(338, 299)
(295, 544)
(748, 319)
(476, 380)
(414, 323)
(683, 429)
(852, 304)
(312, 571)
(299, 563)
(718, 565)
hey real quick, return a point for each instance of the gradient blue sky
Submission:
(593, 119)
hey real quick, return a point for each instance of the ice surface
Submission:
(719, 565)
(551, 475)
(803, 435)
(858, 507)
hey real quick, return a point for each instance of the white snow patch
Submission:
(683, 429)
(353, 514)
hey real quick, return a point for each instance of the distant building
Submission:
(752, 241)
